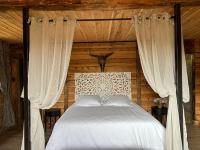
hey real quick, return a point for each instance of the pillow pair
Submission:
(95, 100)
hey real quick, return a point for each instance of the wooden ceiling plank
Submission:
(82, 32)
(93, 5)
(101, 31)
(9, 26)
(130, 32)
(8, 29)
(110, 27)
(186, 17)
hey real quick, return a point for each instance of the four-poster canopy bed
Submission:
(26, 53)
(51, 44)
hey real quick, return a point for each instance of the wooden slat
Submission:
(16, 91)
(11, 24)
(197, 79)
(1, 108)
(90, 4)
(123, 60)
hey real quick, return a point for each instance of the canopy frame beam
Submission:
(27, 113)
(178, 65)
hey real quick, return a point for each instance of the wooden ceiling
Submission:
(94, 4)
(96, 31)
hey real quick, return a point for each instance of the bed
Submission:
(108, 123)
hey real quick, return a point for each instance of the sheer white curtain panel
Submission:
(155, 38)
(50, 51)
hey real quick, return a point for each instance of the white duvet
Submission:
(107, 128)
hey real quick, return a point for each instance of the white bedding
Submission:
(107, 128)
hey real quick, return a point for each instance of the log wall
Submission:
(124, 59)
(1, 109)
(197, 79)
(16, 89)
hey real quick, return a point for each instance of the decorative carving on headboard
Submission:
(103, 84)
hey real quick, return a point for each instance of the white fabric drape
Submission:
(50, 51)
(155, 38)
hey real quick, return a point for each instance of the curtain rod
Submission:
(106, 19)
(110, 19)
(104, 42)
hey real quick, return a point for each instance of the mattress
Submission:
(107, 128)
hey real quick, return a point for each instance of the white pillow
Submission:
(88, 100)
(118, 100)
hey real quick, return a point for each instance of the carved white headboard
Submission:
(103, 84)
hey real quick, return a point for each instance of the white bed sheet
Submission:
(107, 128)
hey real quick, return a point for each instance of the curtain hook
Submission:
(29, 20)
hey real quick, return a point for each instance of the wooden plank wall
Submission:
(197, 79)
(15, 57)
(193, 47)
(123, 60)
(1, 109)
(16, 90)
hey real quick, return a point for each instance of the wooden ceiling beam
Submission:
(91, 4)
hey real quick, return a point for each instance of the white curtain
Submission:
(155, 38)
(50, 51)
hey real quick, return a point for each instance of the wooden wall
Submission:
(197, 78)
(193, 47)
(16, 90)
(1, 109)
(124, 59)
(15, 57)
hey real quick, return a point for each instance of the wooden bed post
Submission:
(178, 65)
(27, 122)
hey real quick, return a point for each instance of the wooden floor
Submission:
(193, 137)
(11, 140)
